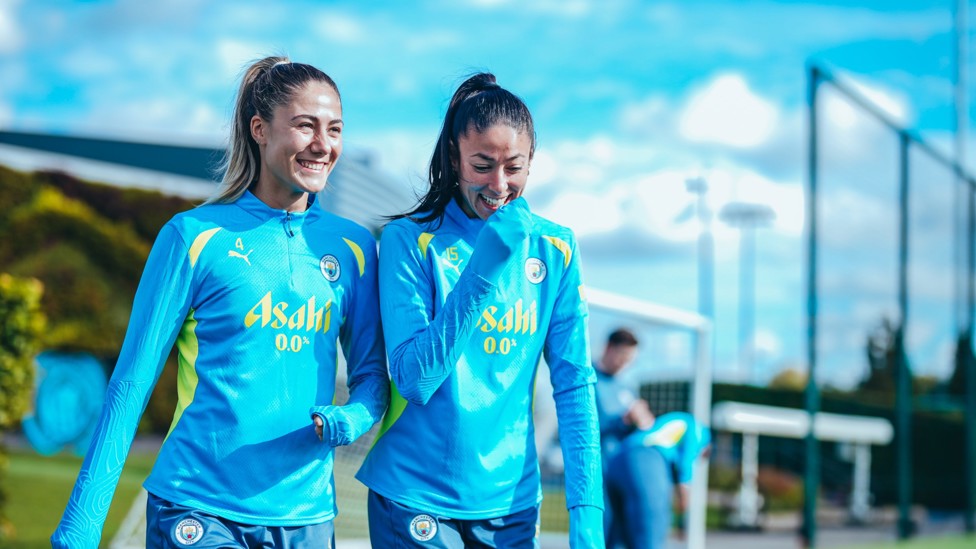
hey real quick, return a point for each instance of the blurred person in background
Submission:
(621, 412)
(650, 474)
(256, 287)
(475, 289)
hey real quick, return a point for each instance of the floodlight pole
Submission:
(811, 475)
(970, 367)
(747, 217)
(966, 365)
(961, 192)
(706, 285)
(903, 374)
(903, 387)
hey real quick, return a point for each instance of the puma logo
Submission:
(232, 253)
(446, 262)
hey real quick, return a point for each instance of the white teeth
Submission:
(311, 165)
(493, 201)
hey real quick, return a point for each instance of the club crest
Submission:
(329, 266)
(535, 270)
(423, 527)
(188, 531)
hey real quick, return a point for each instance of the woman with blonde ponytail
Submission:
(256, 288)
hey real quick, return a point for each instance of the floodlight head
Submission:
(747, 214)
(697, 185)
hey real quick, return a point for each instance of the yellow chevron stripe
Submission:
(199, 242)
(397, 405)
(186, 374)
(423, 242)
(667, 436)
(358, 252)
(562, 246)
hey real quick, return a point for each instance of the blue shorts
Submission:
(172, 526)
(395, 526)
(639, 490)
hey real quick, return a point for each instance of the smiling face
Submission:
(492, 168)
(299, 146)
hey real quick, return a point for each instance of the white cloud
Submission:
(543, 170)
(11, 37)
(159, 119)
(618, 179)
(403, 84)
(404, 153)
(585, 213)
(89, 63)
(136, 13)
(233, 56)
(621, 192)
(663, 13)
(610, 89)
(642, 169)
(841, 24)
(842, 111)
(643, 118)
(656, 201)
(14, 76)
(727, 112)
(6, 114)
(767, 342)
(790, 27)
(566, 8)
(940, 362)
(578, 164)
(340, 28)
(432, 41)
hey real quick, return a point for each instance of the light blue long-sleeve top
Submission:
(458, 440)
(256, 301)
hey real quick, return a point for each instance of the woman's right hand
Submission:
(505, 234)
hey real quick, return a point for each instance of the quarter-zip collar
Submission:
(291, 221)
(471, 225)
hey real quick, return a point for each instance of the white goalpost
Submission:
(673, 369)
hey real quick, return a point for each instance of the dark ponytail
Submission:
(478, 104)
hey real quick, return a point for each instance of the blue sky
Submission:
(630, 98)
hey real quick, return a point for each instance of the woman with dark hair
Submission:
(255, 288)
(474, 290)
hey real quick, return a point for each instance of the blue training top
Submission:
(458, 440)
(255, 300)
(678, 437)
(613, 400)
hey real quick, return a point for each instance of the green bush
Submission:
(781, 490)
(21, 326)
(15, 188)
(50, 217)
(90, 265)
(723, 478)
(87, 243)
(88, 310)
(143, 211)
